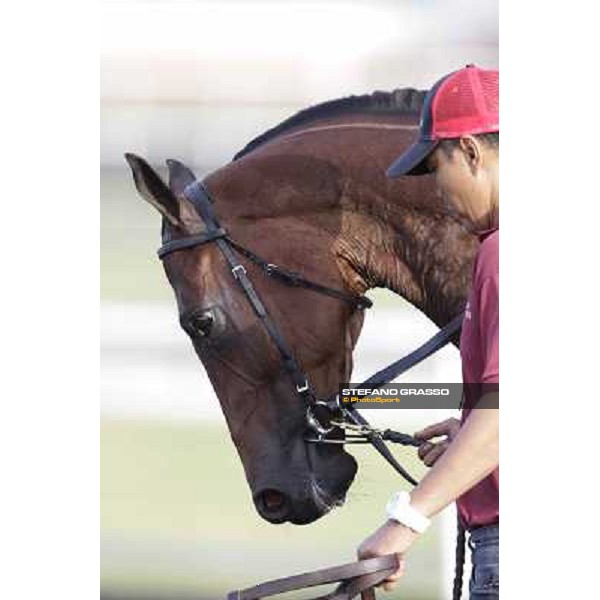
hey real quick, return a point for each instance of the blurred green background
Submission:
(177, 518)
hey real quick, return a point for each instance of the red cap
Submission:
(464, 102)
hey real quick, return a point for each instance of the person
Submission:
(459, 145)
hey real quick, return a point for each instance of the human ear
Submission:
(471, 150)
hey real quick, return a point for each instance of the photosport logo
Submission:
(402, 395)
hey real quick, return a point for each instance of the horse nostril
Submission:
(272, 505)
(273, 499)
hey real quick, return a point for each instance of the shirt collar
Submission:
(485, 233)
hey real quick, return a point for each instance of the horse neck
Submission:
(390, 234)
(423, 255)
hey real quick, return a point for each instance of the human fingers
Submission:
(432, 456)
(436, 430)
(392, 581)
(424, 449)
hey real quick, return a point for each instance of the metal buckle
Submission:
(302, 388)
(242, 270)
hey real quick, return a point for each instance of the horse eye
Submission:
(198, 324)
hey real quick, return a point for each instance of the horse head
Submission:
(290, 479)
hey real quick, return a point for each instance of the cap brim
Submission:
(412, 161)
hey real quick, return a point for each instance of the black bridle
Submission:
(324, 416)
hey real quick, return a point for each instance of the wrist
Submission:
(400, 511)
(402, 530)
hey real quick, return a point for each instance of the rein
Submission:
(357, 578)
(359, 429)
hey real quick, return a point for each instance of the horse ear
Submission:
(152, 188)
(180, 176)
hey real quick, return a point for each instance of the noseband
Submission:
(324, 416)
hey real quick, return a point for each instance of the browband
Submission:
(191, 241)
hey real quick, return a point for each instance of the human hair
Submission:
(489, 139)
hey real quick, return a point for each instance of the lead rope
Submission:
(441, 338)
(459, 560)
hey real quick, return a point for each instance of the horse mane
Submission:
(406, 101)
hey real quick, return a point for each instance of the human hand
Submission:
(429, 451)
(391, 538)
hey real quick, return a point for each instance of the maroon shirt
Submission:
(480, 365)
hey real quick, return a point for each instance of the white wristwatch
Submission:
(399, 509)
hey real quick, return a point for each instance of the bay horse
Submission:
(311, 195)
